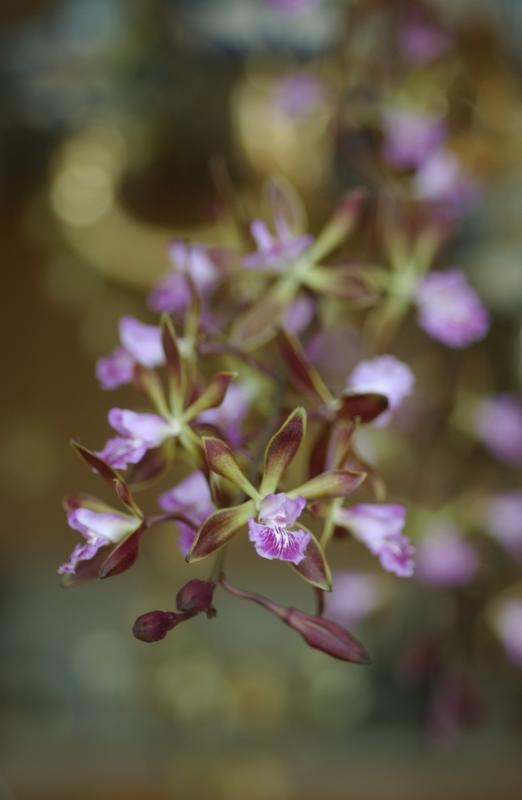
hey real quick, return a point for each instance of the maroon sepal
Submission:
(318, 453)
(302, 372)
(96, 463)
(314, 567)
(196, 596)
(125, 495)
(365, 407)
(86, 570)
(122, 557)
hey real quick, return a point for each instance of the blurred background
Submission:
(117, 118)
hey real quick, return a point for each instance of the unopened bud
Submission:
(323, 634)
(154, 625)
(196, 595)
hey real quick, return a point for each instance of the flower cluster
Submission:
(245, 426)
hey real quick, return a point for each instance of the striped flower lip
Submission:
(271, 534)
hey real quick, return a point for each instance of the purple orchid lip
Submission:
(271, 534)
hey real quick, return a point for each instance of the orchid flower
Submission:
(379, 527)
(444, 557)
(100, 526)
(189, 263)
(372, 388)
(272, 516)
(140, 344)
(140, 432)
(193, 500)
(410, 137)
(295, 259)
(449, 310)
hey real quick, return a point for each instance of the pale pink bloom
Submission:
(275, 252)
(140, 344)
(385, 375)
(508, 625)
(191, 498)
(354, 596)
(422, 41)
(504, 518)
(189, 262)
(299, 94)
(138, 433)
(271, 534)
(498, 424)
(411, 137)
(98, 528)
(449, 310)
(379, 526)
(441, 180)
(293, 6)
(444, 557)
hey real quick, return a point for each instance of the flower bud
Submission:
(154, 625)
(323, 634)
(195, 596)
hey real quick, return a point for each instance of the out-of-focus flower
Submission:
(507, 621)
(190, 262)
(385, 375)
(229, 416)
(441, 180)
(411, 137)
(140, 344)
(137, 434)
(497, 422)
(275, 252)
(192, 499)
(444, 557)
(449, 310)
(504, 519)
(454, 704)
(98, 528)
(379, 526)
(272, 534)
(293, 6)
(354, 596)
(298, 94)
(422, 41)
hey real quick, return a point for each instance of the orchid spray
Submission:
(265, 448)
